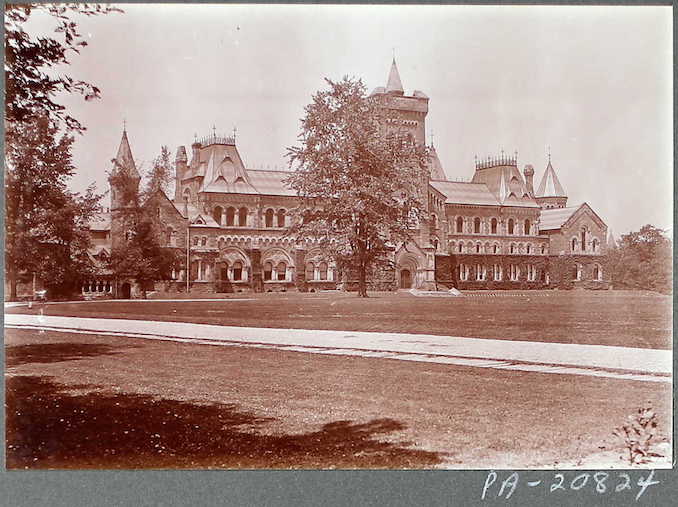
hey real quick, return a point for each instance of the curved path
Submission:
(556, 358)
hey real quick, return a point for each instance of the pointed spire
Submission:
(550, 184)
(394, 84)
(124, 158)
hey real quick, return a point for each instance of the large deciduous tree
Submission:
(46, 225)
(360, 183)
(643, 260)
(145, 258)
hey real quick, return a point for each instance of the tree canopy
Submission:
(360, 183)
(643, 260)
(46, 225)
(31, 81)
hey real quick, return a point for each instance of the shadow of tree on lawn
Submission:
(55, 352)
(48, 428)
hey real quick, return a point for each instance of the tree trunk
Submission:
(12, 284)
(362, 285)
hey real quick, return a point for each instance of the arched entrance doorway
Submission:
(126, 291)
(405, 279)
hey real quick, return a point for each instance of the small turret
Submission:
(180, 168)
(551, 193)
(123, 163)
(528, 172)
(394, 85)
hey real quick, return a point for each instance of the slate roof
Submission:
(465, 193)
(124, 158)
(436, 168)
(270, 182)
(550, 185)
(555, 218)
(394, 84)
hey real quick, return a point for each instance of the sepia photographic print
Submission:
(338, 237)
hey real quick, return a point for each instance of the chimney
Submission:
(528, 172)
(196, 153)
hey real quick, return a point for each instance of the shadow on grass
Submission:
(49, 428)
(55, 352)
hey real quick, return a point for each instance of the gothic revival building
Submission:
(493, 232)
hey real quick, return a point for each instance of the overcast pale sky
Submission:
(593, 83)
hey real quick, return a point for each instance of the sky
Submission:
(592, 83)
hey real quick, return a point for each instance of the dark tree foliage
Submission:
(31, 83)
(46, 225)
(359, 183)
(144, 256)
(643, 260)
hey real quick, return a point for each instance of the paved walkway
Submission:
(593, 360)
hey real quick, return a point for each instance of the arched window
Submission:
(196, 240)
(220, 243)
(574, 244)
(476, 225)
(511, 226)
(310, 271)
(577, 272)
(529, 249)
(460, 224)
(477, 247)
(543, 249)
(269, 218)
(168, 236)
(187, 194)
(527, 227)
(597, 272)
(434, 221)
(216, 214)
(203, 241)
(583, 240)
(493, 226)
(461, 248)
(497, 272)
(495, 249)
(281, 270)
(230, 216)
(435, 245)
(237, 271)
(322, 270)
(281, 218)
(242, 217)
(594, 245)
(512, 248)
(268, 271)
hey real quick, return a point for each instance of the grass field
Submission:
(605, 318)
(89, 401)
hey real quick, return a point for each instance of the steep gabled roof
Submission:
(550, 184)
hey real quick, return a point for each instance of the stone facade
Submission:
(494, 232)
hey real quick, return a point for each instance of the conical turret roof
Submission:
(435, 167)
(550, 185)
(124, 158)
(394, 84)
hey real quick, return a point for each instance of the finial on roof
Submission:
(549, 153)
(235, 131)
(214, 130)
(124, 124)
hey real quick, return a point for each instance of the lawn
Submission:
(92, 401)
(631, 319)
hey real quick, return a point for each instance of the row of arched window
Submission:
(232, 217)
(277, 272)
(316, 272)
(596, 272)
(513, 248)
(478, 226)
(581, 246)
(480, 273)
